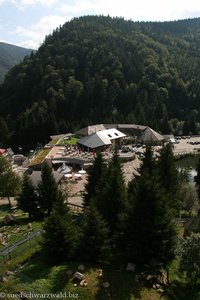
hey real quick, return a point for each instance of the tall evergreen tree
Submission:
(150, 231)
(10, 182)
(27, 200)
(95, 240)
(197, 178)
(47, 189)
(167, 169)
(112, 201)
(148, 162)
(148, 165)
(95, 179)
(61, 235)
(169, 176)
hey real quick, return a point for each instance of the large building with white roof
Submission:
(101, 138)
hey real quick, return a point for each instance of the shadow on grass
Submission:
(23, 220)
(122, 284)
(182, 290)
(5, 208)
(45, 276)
(41, 276)
(60, 278)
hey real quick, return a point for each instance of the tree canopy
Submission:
(10, 182)
(101, 69)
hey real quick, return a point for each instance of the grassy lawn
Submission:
(72, 141)
(20, 229)
(40, 277)
(40, 156)
(4, 210)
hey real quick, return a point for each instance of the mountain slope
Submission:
(101, 69)
(10, 55)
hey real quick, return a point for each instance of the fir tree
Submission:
(27, 200)
(167, 169)
(94, 241)
(150, 231)
(10, 182)
(112, 200)
(95, 179)
(60, 232)
(169, 176)
(197, 178)
(148, 162)
(47, 189)
(148, 165)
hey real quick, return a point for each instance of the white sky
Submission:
(26, 22)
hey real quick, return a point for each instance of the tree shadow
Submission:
(5, 208)
(61, 278)
(23, 220)
(182, 290)
(122, 284)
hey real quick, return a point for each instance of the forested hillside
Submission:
(10, 55)
(102, 69)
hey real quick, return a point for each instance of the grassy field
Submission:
(40, 277)
(20, 229)
(40, 156)
(72, 141)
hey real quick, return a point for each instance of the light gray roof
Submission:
(90, 129)
(36, 177)
(94, 141)
(95, 128)
(131, 126)
(150, 135)
(101, 138)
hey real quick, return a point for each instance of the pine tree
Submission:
(148, 162)
(47, 189)
(167, 169)
(197, 178)
(94, 241)
(61, 233)
(27, 200)
(169, 176)
(10, 182)
(150, 232)
(95, 179)
(148, 165)
(112, 200)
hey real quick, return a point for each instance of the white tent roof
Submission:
(101, 138)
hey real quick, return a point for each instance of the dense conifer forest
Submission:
(98, 69)
(10, 55)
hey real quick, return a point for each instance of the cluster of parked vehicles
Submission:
(136, 149)
(194, 142)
